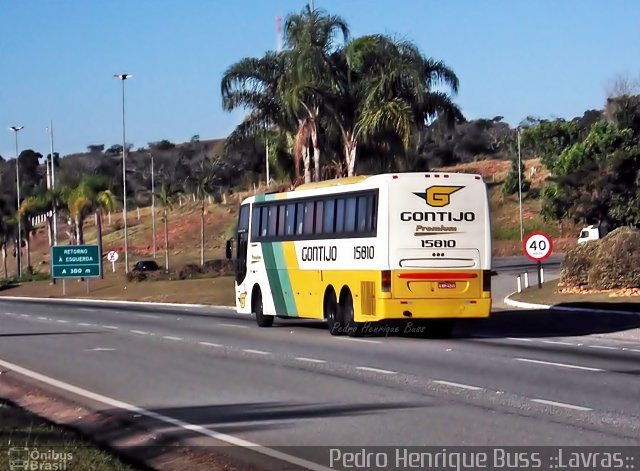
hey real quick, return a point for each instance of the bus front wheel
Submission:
(261, 319)
(332, 314)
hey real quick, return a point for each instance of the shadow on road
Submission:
(37, 334)
(150, 435)
(547, 323)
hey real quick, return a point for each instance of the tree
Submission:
(311, 37)
(167, 198)
(256, 84)
(203, 190)
(387, 87)
(95, 148)
(514, 176)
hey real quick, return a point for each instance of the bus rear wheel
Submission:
(261, 319)
(332, 314)
(353, 328)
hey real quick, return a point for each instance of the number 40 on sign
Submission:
(538, 246)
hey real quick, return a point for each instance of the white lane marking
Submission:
(631, 350)
(310, 360)
(42, 318)
(171, 337)
(557, 342)
(458, 385)
(357, 340)
(148, 316)
(257, 352)
(604, 347)
(25, 315)
(209, 344)
(561, 365)
(61, 321)
(236, 326)
(520, 339)
(84, 324)
(86, 309)
(560, 404)
(376, 370)
(113, 327)
(100, 349)
(141, 332)
(230, 439)
(10, 314)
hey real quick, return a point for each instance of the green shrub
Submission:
(577, 264)
(617, 261)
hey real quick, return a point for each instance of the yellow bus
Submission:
(360, 251)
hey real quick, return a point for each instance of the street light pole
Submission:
(153, 206)
(15, 130)
(122, 78)
(520, 186)
(53, 185)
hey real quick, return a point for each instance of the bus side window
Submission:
(373, 213)
(264, 221)
(363, 214)
(340, 216)
(273, 221)
(329, 216)
(281, 220)
(291, 219)
(299, 217)
(350, 219)
(308, 218)
(319, 218)
(255, 223)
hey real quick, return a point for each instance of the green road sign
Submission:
(75, 261)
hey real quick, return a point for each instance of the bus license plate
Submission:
(447, 285)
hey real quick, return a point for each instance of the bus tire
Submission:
(332, 313)
(257, 309)
(353, 328)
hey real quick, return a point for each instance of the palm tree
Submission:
(203, 190)
(167, 198)
(311, 38)
(384, 85)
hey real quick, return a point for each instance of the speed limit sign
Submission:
(537, 246)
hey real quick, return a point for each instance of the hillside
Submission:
(184, 222)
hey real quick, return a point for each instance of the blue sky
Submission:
(514, 58)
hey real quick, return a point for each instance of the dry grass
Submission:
(212, 291)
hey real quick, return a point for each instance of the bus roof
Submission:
(385, 176)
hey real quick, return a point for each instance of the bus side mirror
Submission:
(229, 248)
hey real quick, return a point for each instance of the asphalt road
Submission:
(519, 378)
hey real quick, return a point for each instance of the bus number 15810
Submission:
(438, 244)
(363, 252)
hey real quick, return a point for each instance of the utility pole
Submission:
(153, 206)
(15, 130)
(520, 186)
(53, 185)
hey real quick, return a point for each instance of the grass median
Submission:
(29, 442)
(549, 295)
(212, 291)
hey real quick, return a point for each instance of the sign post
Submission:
(75, 261)
(113, 258)
(538, 246)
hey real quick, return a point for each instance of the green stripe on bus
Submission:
(285, 281)
(273, 277)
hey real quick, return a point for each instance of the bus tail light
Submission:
(385, 278)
